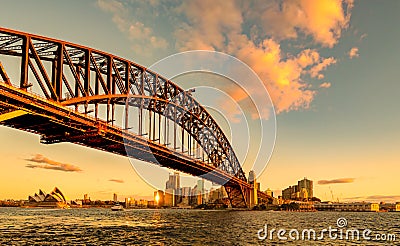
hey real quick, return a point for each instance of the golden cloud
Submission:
(51, 164)
(336, 181)
(353, 53)
(325, 85)
(324, 20)
(116, 180)
(207, 25)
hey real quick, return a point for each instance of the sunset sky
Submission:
(331, 68)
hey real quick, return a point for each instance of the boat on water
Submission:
(117, 207)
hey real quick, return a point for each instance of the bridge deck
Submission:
(56, 123)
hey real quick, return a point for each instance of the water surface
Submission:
(181, 227)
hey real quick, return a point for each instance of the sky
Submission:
(331, 69)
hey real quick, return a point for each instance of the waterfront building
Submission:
(217, 195)
(143, 203)
(173, 184)
(129, 202)
(169, 197)
(196, 197)
(200, 186)
(115, 198)
(287, 193)
(185, 196)
(306, 184)
(269, 192)
(54, 199)
(86, 199)
(348, 207)
(302, 191)
(390, 207)
(159, 198)
(303, 194)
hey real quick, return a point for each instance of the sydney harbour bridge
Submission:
(67, 92)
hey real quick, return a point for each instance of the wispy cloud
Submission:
(336, 181)
(142, 36)
(325, 85)
(116, 180)
(315, 71)
(353, 53)
(41, 161)
(375, 198)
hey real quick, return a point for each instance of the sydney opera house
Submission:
(55, 199)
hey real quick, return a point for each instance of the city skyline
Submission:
(337, 120)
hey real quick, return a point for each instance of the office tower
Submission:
(173, 181)
(308, 185)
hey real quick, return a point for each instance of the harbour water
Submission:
(25, 226)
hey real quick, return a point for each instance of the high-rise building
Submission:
(200, 191)
(287, 193)
(169, 198)
(129, 202)
(173, 181)
(186, 193)
(200, 186)
(115, 197)
(172, 187)
(303, 190)
(306, 184)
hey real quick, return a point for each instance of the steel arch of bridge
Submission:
(81, 77)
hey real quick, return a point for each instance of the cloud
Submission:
(375, 198)
(322, 20)
(221, 28)
(208, 27)
(325, 85)
(142, 36)
(364, 35)
(116, 180)
(50, 164)
(252, 31)
(353, 53)
(336, 181)
(315, 72)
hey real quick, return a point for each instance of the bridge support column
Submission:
(239, 196)
(253, 196)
